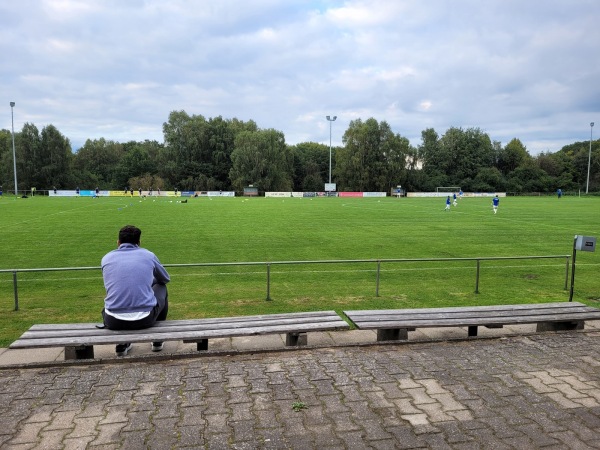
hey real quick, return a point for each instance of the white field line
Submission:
(276, 272)
(105, 204)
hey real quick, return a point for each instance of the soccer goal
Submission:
(447, 189)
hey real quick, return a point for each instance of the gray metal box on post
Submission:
(585, 243)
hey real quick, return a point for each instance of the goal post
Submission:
(447, 189)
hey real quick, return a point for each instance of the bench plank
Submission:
(389, 322)
(269, 317)
(477, 309)
(174, 326)
(84, 335)
(458, 321)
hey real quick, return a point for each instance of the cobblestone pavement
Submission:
(538, 391)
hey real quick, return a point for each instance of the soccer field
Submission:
(44, 232)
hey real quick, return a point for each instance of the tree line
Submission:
(230, 154)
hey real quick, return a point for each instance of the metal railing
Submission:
(268, 265)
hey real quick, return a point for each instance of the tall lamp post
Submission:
(12, 119)
(589, 158)
(330, 120)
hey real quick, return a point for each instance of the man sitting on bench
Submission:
(136, 291)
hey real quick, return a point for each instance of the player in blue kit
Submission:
(495, 203)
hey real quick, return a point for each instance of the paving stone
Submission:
(217, 441)
(191, 437)
(272, 438)
(62, 420)
(29, 433)
(109, 433)
(540, 390)
(52, 439)
(78, 443)
(135, 440)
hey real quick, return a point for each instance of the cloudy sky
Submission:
(115, 69)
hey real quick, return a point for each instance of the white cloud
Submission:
(116, 69)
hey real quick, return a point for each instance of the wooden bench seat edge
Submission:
(79, 339)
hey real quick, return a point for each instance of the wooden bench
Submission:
(395, 324)
(79, 338)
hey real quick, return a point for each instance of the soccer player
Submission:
(454, 202)
(448, 204)
(495, 203)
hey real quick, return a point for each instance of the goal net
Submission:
(447, 189)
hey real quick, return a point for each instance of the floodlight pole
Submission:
(330, 120)
(589, 158)
(12, 119)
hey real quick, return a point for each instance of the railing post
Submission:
(16, 290)
(573, 271)
(268, 281)
(567, 274)
(477, 277)
(378, 270)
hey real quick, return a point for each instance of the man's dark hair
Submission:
(130, 235)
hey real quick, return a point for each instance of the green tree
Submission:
(558, 166)
(429, 149)
(582, 160)
(43, 159)
(373, 158)
(488, 179)
(399, 158)
(261, 159)
(574, 158)
(28, 156)
(6, 160)
(221, 141)
(183, 136)
(55, 156)
(97, 162)
(146, 182)
(513, 155)
(458, 156)
(311, 166)
(139, 158)
(529, 178)
(198, 151)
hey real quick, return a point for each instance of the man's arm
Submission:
(160, 273)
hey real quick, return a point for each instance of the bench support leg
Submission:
(472, 330)
(82, 352)
(296, 339)
(392, 334)
(560, 326)
(202, 345)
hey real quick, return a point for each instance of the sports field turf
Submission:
(44, 232)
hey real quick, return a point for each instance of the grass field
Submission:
(47, 232)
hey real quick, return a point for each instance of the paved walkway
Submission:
(521, 390)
